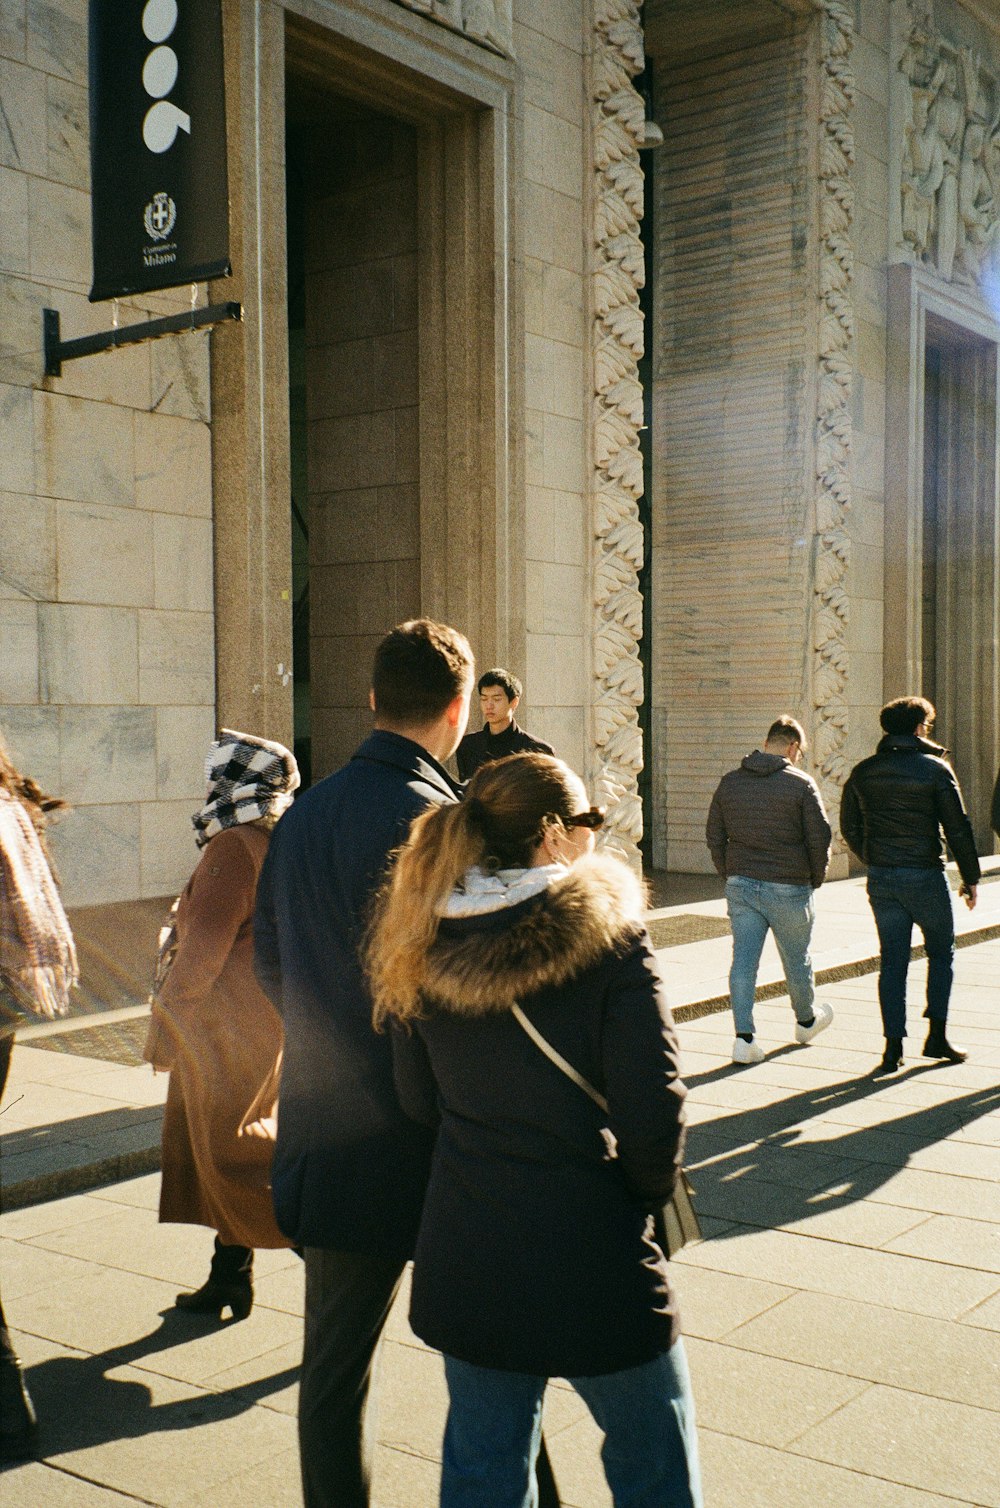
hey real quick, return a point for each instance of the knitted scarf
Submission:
(37, 954)
(248, 778)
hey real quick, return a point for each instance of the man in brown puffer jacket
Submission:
(769, 837)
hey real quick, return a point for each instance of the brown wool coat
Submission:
(220, 1037)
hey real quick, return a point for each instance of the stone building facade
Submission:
(451, 267)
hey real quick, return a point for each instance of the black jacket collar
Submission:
(909, 743)
(383, 747)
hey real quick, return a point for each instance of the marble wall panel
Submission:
(105, 555)
(173, 472)
(28, 557)
(117, 377)
(83, 451)
(96, 850)
(57, 38)
(555, 594)
(15, 242)
(168, 852)
(88, 655)
(183, 735)
(23, 143)
(180, 377)
(176, 659)
(21, 304)
(19, 661)
(13, 41)
(17, 460)
(182, 556)
(68, 133)
(32, 736)
(108, 754)
(556, 670)
(59, 226)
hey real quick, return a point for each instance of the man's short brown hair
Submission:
(785, 730)
(904, 714)
(420, 668)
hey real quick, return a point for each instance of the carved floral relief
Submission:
(487, 21)
(618, 274)
(947, 120)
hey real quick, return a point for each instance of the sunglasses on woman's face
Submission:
(593, 818)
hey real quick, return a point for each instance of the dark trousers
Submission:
(901, 898)
(348, 1298)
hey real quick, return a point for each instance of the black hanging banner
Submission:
(159, 194)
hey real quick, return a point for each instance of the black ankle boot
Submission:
(938, 1046)
(18, 1422)
(892, 1058)
(229, 1286)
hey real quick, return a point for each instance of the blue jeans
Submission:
(899, 897)
(756, 907)
(650, 1449)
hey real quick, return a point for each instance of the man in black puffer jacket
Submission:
(894, 807)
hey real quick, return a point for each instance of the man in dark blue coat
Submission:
(350, 1169)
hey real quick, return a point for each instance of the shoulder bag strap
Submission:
(557, 1058)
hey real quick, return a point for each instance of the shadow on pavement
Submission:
(749, 1168)
(80, 1406)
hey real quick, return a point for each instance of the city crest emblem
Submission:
(159, 217)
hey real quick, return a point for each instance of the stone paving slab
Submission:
(841, 1316)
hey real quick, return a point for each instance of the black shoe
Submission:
(892, 1058)
(938, 1046)
(229, 1286)
(214, 1296)
(18, 1422)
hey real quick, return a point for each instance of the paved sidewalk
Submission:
(73, 1121)
(841, 1318)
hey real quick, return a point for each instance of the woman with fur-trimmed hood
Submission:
(535, 1257)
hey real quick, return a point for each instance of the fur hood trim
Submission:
(482, 964)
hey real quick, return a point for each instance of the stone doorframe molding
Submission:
(916, 297)
(459, 95)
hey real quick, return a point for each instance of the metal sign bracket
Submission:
(57, 350)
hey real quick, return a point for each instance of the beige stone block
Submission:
(96, 850)
(168, 852)
(534, 448)
(110, 377)
(12, 29)
(183, 735)
(180, 381)
(28, 559)
(537, 372)
(565, 453)
(104, 555)
(83, 450)
(865, 627)
(556, 670)
(871, 128)
(539, 524)
(23, 118)
(17, 461)
(341, 669)
(865, 572)
(570, 386)
(343, 527)
(59, 227)
(173, 465)
(870, 62)
(88, 655)
(341, 378)
(404, 293)
(571, 521)
(182, 554)
(406, 471)
(557, 600)
(19, 661)
(68, 133)
(349, 303)
(108, 754)
(57, 38)
(15, 253)
(563, 306)
(553, 77)
(534, 295)
(564, 728)
(32, 736)
(348, 453)
(21, 304)
(865, 678)
(176, 658)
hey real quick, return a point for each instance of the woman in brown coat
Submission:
(215, 1030)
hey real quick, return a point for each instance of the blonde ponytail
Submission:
(443, 843)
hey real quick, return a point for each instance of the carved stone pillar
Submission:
(617, 416)
(833, 433)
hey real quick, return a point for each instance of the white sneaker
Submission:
(747, 1052)
(822, 1016)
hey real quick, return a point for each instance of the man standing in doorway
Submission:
(350, 1169)
(499, 694)
(894, 807)
(769, 837)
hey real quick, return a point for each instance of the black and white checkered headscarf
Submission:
(248, 778)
